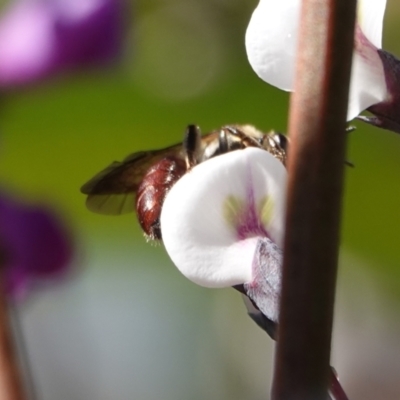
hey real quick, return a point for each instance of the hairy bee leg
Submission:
(247, 141)
(191, 145)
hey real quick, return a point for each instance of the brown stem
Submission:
(335, 388)
(11, 383)
(316, 164)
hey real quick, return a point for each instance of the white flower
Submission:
(271, 43)
(224, 218)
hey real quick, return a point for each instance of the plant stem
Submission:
(317, 123)
(11, 383)
(20, 343)
(335, 388)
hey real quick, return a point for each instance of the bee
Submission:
(142, 180)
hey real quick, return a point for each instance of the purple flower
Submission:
(39, 38)
(33, 245)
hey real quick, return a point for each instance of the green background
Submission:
(184, 62)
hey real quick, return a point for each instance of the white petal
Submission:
(368, 84)
(370, 18)
(195, 231)
(271, 41)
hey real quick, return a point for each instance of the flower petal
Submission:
(368, 83)
(387, 112)
(35, 245)
(259, 318)
(370, 18)
(265, 287)
(197, 219)
(87, 32)
(26, 46)
(42, 38)
(271, 41)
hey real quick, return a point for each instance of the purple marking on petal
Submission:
(388, 112)
(249, 222)
(34, 243)
(362, 45)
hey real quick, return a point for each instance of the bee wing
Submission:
(111, 204)
(113, 190)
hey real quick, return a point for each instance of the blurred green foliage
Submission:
(185, 63)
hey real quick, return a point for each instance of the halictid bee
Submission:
(143, 179)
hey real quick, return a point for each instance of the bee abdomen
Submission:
(151, 193)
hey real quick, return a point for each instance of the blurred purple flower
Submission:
(33, 245)
(39, 38)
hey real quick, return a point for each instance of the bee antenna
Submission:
(191, 144)
(223, 142)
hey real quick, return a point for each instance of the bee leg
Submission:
(350, 128)
(349, 164)
(191, 145)
(246, 140)
(155, 230)
(223, 142)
